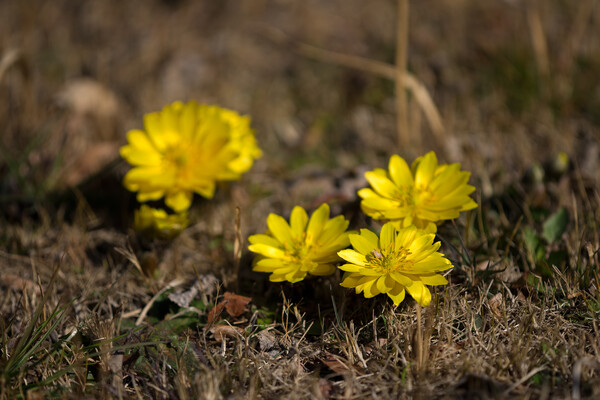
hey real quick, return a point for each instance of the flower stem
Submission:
(419, 339)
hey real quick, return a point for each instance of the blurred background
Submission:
(514, 83)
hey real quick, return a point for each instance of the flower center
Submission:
(423, 195)
(182, 158)
(390, 260)
(405, 196)
(299, 251)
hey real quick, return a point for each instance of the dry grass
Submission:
(89, 309)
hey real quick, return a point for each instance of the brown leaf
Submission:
(495, 303)
(337, 363)
(235, 304)
(371, 346)
(325, 388)
(215, 312)
(17, 283)
(267, 341)
(90, 161)
(223, 331)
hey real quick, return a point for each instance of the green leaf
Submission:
(535, 282)
(532, 241)
(555, 225)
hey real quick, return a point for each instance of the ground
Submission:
(90, 308)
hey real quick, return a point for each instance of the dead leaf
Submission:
(503, 270)
(338, 363)
(267, 341)
(235, 305)
(371, 346)
(495, 303)
(215, 312)
(221, 332)
(87, 97)
(89, 162)
(205, 285)
(17, 283)
(325, 388)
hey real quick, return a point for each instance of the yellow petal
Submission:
(401, 279)
(333, 229)
(405, 237)
(298, 221)
(170, 118)
(420, 293)
(323, 270)
(366, 193)
(385, 208)
(385, 283)
(433, 280)
(397, 294)
(267, 251)
(349, 267)
(317, 221)
(179, 200)
(387, 236)
(350, 280)
(149, 196)
(370, 288)
(400, 172)
(153, 125)
(267, 265)
(206, 189)
(421, 243)
(352, 256)
(295, 276)
(382, 185)
(425, 170)
(264, 239)
(370, 236)
(433, 263)
(362, 244)
(188, 120)
(279, 228)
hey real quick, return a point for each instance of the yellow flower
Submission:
(423, 195)
(291, 251)
(185, 149)
(157, 223)
(393, 263)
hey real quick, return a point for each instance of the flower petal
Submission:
(350, 267)
(323, 270)
(425, 169)
(370, 288)
(317, 222)
(179, 200)
(264, 239)
(279, 228)
(333, 229)
(295, 276)
(433, 280)
(400, 172)
(382, 185)
(387, 236)
(397, 294)
(401, 279)
(267, 265)
(298, 221)
(362, 243)
(385, 283)
(352, 256)
(267, 251)
(420, 293)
